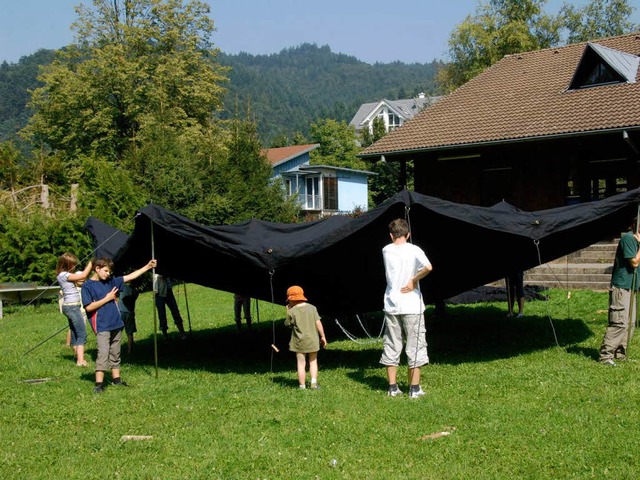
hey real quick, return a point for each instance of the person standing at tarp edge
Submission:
(623, 281)
(71, 302)
(100, 300)
(165, 298)
(307, 335)
(405, 265)
(515, 292)
(242, 304)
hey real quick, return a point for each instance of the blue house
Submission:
(321, 189)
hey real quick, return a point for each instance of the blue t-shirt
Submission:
(107, 317)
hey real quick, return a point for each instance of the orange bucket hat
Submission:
(295, 294)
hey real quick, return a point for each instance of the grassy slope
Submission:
(227, 406)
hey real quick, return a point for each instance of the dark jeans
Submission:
(168, 301)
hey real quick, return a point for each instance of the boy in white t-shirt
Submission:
(405, 265)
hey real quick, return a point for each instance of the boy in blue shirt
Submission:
(100, 301)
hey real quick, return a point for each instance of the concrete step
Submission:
(571, 269)
(589, 268)
(573, 285)
(597, 253)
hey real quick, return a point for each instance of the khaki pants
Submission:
(615, 341)
(108, 350)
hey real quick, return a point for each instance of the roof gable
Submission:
(602, 65)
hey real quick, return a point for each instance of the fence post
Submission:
(73, 205)
(44, 196)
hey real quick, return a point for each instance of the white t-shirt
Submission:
(401, 263)
(70, 292)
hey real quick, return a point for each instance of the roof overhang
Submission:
(499, 142)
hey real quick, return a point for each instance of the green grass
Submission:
(227, 406)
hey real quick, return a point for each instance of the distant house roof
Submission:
(527, 96)
(406, 108)
(276, 156)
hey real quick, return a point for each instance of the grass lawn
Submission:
(515, 402)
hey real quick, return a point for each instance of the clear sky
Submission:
(371, 30)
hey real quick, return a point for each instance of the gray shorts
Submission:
(108, 350)
(412, 327)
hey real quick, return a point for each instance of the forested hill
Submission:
(284, 92)
(16, 79)
(289, 90)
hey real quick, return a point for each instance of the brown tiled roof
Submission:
(522, 96)
(279, 155)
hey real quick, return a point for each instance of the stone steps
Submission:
(586, 269)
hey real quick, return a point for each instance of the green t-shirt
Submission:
(304, 333)
(622, 275)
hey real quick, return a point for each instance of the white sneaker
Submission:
(394, 393)
(417, 393)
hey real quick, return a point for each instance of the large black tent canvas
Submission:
(107, 240)
(338, 260)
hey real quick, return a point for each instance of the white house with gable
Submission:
(392, 112)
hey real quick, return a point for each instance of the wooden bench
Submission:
(25, 292)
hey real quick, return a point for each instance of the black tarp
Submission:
(107, 240)
(338, 260)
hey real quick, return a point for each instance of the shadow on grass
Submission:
(591, 353)
(472, 334)
(466, 334)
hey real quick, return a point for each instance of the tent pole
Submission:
(155, 293)
(47, 339)
(186, 301)
(632, 299)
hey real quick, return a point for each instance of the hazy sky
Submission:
(371, 30)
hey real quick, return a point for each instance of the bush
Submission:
(30, 244)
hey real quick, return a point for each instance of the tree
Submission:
(136, 65)
(338, 145)
(248, 184)
(378, 131)
(498, 28)
(9, 166)
(597, 19)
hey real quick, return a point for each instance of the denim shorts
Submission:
(76, 324)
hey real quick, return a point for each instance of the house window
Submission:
(394, 121)
(330, 190)
(312, 194)
(597, 74)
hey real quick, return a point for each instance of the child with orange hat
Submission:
(307, 334)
